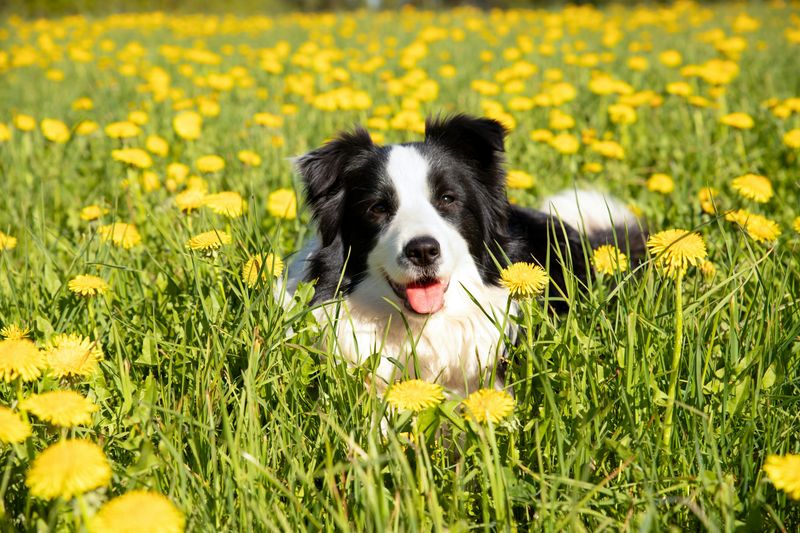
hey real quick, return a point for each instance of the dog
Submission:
(410, 240)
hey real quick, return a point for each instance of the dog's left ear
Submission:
(324, 172)
(479, 140)
(480, 143)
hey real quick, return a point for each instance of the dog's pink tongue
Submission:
(426, 297)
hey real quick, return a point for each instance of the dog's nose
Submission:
(422, 251)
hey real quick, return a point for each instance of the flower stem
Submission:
(529, 355)
(92, 320)
(675, 369)
(84, 511)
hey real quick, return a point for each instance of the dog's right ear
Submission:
(324, 171)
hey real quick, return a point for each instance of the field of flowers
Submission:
(150, 378)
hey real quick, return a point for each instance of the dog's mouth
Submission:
(423, 296)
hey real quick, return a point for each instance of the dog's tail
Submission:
(601, 219)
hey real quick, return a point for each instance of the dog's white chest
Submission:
(457, 347)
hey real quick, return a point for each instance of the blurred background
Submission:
(44, 8)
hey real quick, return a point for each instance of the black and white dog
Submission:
(411, 235)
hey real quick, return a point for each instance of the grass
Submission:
(238, 410)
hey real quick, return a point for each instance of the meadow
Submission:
(148, 370)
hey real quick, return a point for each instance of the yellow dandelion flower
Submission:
(282, 203)
(559, 120)
(12, 428)
(447, 71)
(63, 408)
(700, 101)
(741, 121)
(608, 259)
(781, 111)
(792, 138)
(122, 130)
(271, 265)
(14, 332)
(188, 125)
(708, 269)
(621, 114)
(670, 58)
(92, 212)
(55, 74)
(120, 234)
(190, 199)
(518, 179)
(268, 120)
(415, 395)
(178, 171)
(541, 135)
(753, 187)
(760, 228)
(7, 242)
(24, 122)
(793, 103)
(523, 279)
(489, 404)
(138, 511)
(679, 88)
(68, 468)
(87, 285)
(210, 163)
(86, 127)
(709, 200)
(566, 143)
(588, 135)
(5, 133)
(20, 358)
(72, 355)
(198, 183)
(609, 149)
(138, 117)
(249, 157)
(55, 131)
(133, 156)
(209, 240)
(150, 181)
(157, 145)
(662, 183)
(507, 120)
(83, 104)
(796, 224)
(208, 107)
(228, 203)
(745, 23)
(740, 216)
(592, 167)
(784, 472)
(676, 249)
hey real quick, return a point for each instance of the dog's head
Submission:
(413, 217)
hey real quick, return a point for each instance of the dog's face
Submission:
(412, 217)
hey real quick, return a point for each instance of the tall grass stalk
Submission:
(675, 367)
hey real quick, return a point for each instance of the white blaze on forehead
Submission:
(408, 171)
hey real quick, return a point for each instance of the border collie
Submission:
(411, 237)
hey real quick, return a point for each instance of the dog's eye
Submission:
(379, 208)
(447, 199)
